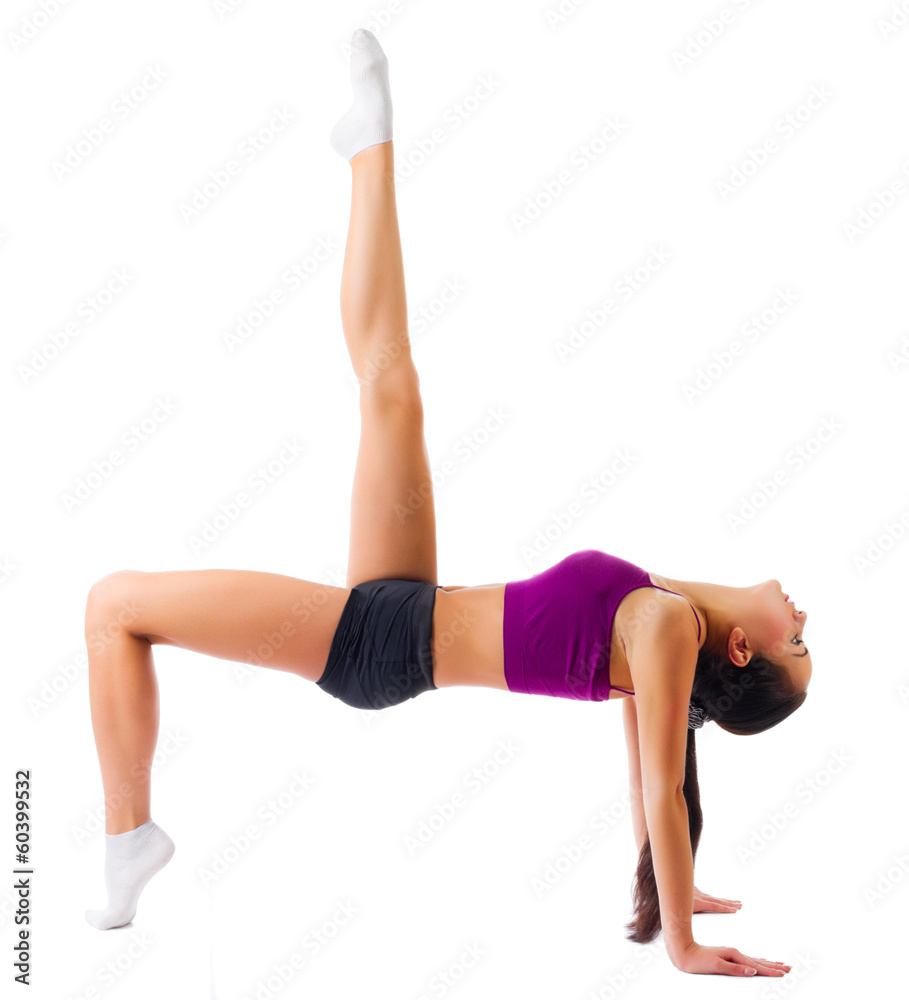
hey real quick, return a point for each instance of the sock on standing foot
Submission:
(370, 116)
(130, 861)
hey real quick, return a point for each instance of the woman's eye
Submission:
(797, 640)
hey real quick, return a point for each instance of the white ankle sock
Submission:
(131, 860)
(369, 119)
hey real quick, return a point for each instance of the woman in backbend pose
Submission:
(679, 652)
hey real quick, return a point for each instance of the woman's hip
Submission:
(381, 652)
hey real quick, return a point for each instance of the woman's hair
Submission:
(741, 700)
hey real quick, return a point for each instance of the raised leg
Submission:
(392, 519)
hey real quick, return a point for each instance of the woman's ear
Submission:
(737, 648)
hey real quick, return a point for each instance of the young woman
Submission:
(679, 652)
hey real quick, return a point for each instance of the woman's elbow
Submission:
(662, 791)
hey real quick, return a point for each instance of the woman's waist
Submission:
(467, 636)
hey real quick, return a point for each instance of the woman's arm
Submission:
(662, 666)
(673, 868)
(702, 902)
(638, 819)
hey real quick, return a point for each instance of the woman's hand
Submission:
(704, 903)
(698, 958)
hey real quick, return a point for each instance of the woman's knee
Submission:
(396, 389)
(112, 605)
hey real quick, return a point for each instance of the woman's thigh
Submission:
(392, 512)
(265, 619)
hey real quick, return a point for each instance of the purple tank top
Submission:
(557, 625)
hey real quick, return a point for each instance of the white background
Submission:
(230, 744)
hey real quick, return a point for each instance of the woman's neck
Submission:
(718, 605)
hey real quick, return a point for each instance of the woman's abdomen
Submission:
(467, 647)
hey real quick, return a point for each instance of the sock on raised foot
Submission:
(130, 861)
(370, 116)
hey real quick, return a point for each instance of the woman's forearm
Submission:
(667, 823)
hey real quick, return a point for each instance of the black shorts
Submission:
(381, 652)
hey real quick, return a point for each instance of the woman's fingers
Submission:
(706, 898)
(776, 965)
(747, 966)
(716, 904)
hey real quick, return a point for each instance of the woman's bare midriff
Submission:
(467, 646)
(467, 643)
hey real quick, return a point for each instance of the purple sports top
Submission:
(557, 625)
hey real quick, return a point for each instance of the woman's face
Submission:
(777, 630)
